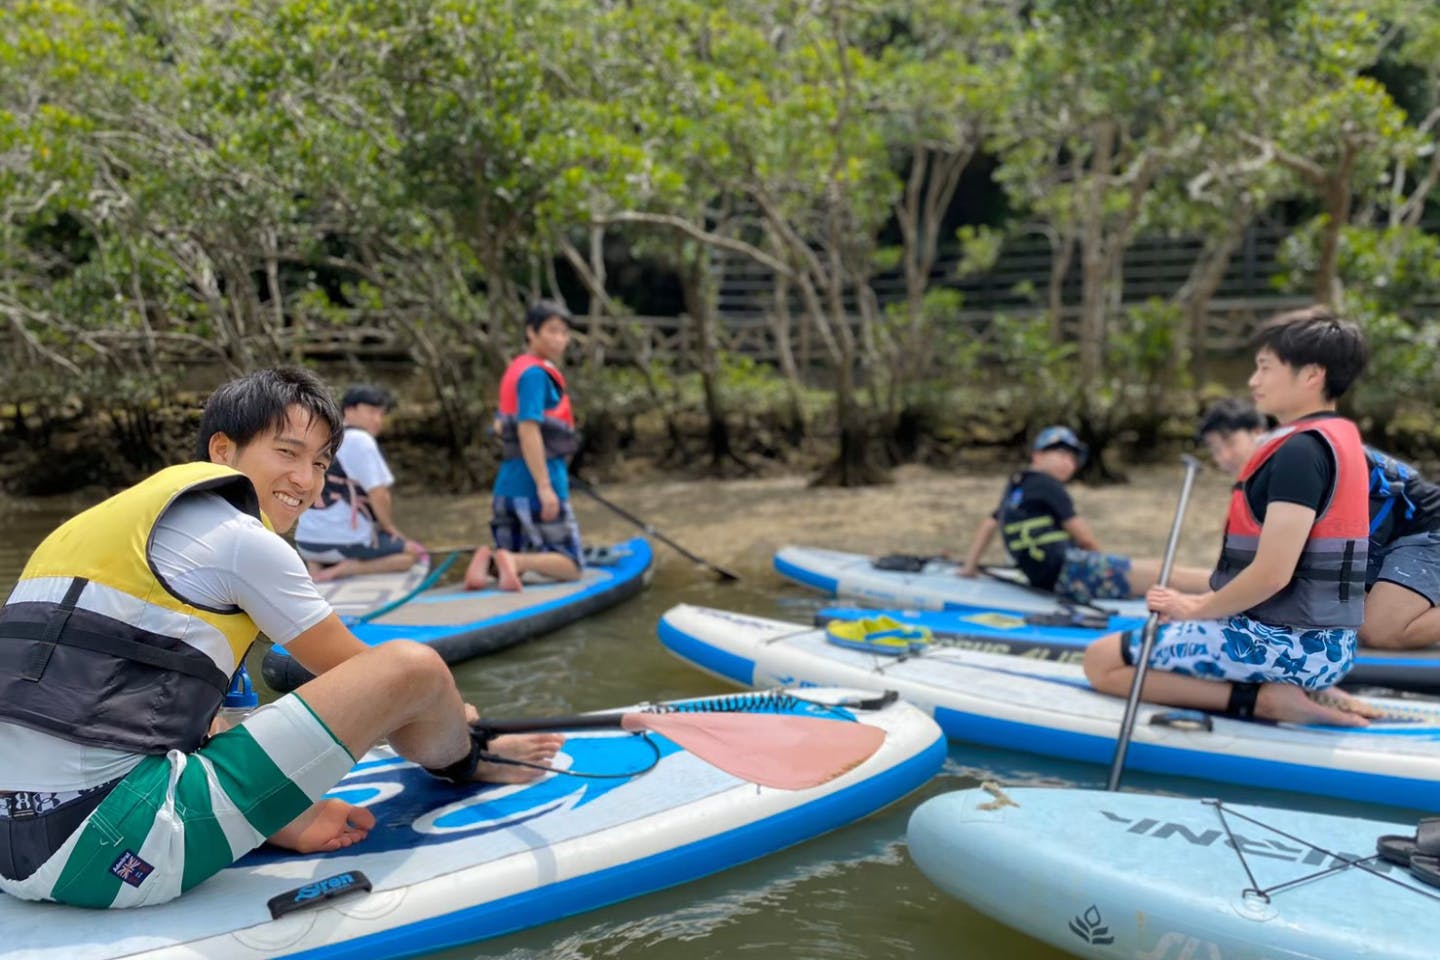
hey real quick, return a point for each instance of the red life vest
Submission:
(558, 427)
(1328, 588)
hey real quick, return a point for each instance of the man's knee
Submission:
(1101, 659)
(411, 664)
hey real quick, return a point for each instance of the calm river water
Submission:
(853, 894)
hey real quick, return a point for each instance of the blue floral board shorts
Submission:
(1088, 575)
(1243, 650)
(516, 525)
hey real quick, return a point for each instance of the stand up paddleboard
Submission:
(1057, 637)
(358, 595)
(1123, 876)
(448, 865)
(460, 624)
(1048, 708)
(936, 586)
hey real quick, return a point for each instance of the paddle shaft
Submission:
(621, 512)
(1152, 624)
(579, 721)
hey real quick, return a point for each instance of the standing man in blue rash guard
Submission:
(1402, 576)
(1288, 595)
(531, 520)
(118, 785)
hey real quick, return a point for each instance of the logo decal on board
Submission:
(131, 868)
(1090, 927)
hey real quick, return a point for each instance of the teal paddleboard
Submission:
(1120, 876)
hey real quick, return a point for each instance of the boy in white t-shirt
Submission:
(351, 529)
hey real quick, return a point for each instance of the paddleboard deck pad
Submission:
(356, 596)
(1126, 876)
(1059, 638)
(1048, 708)
(460, 624)
(936, 586)
(447, 865)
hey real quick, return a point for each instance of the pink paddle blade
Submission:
(774, 750)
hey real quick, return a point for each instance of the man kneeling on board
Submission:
(531, 518)
(117, 789)
(1288, 593)
(1402, 575)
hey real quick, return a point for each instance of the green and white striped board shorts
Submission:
(178, 819)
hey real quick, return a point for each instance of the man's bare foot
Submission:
(537, 748)
(1287, 703)
(333, 572)
(327, 825)
(509, 577)
(1340, 700)
(477, 575)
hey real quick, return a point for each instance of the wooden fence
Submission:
(1016, 286)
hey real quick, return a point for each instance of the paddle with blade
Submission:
(772, 749)
(589, 490)
(1152, 624)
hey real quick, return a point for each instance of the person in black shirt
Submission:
(1052, 544)
(1280, 622)
(1402, 576)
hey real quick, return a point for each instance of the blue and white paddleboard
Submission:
(1008, 632)
(448, 866)
(460, 623)
(1043, 707)
(1121, 876)
(937, 587)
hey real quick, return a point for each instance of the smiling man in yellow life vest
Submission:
(117, 787)
(531, 520)
(1288, 595)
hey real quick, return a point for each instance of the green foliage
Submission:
(206, 183)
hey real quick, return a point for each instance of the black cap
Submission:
(543, 310)
(367, 393)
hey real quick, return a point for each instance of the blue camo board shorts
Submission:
(1088, 575)
(1411, 562)
(1243, 650)
(516, 525)
(384, 545)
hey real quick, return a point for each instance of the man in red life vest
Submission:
(1288, 594)
(531, 519)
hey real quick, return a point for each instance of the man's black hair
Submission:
(542, 310)
(257, 403)
(1315, 335)
(367, 393)
(1230, 415)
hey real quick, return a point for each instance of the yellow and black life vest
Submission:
(96, 648)
(1035, 540)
